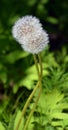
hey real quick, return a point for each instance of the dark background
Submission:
(53, 14)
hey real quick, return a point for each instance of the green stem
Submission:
(32, 94)
(40, 87)
(32, 111)
(26, 105)
(36, 64)
(40, 63)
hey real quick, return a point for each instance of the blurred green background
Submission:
(53, 16)
(16, 66)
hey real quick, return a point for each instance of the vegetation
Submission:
(18, 74)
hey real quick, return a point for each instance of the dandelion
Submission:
(28, 31)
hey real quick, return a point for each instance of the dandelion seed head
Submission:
(29, 33)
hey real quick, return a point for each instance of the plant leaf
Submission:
(17, 119)
(1, 126)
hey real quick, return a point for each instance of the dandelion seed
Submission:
(29, 33)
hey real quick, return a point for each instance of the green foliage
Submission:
(18, 73)
(17, 119)
(1, 126)
(51, 111)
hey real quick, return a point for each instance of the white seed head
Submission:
(29, 33)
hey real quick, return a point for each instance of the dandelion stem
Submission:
(32, 94)
(26, 105)
(36, 64)
(40, 87)
(40, 63)
(34, 106)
